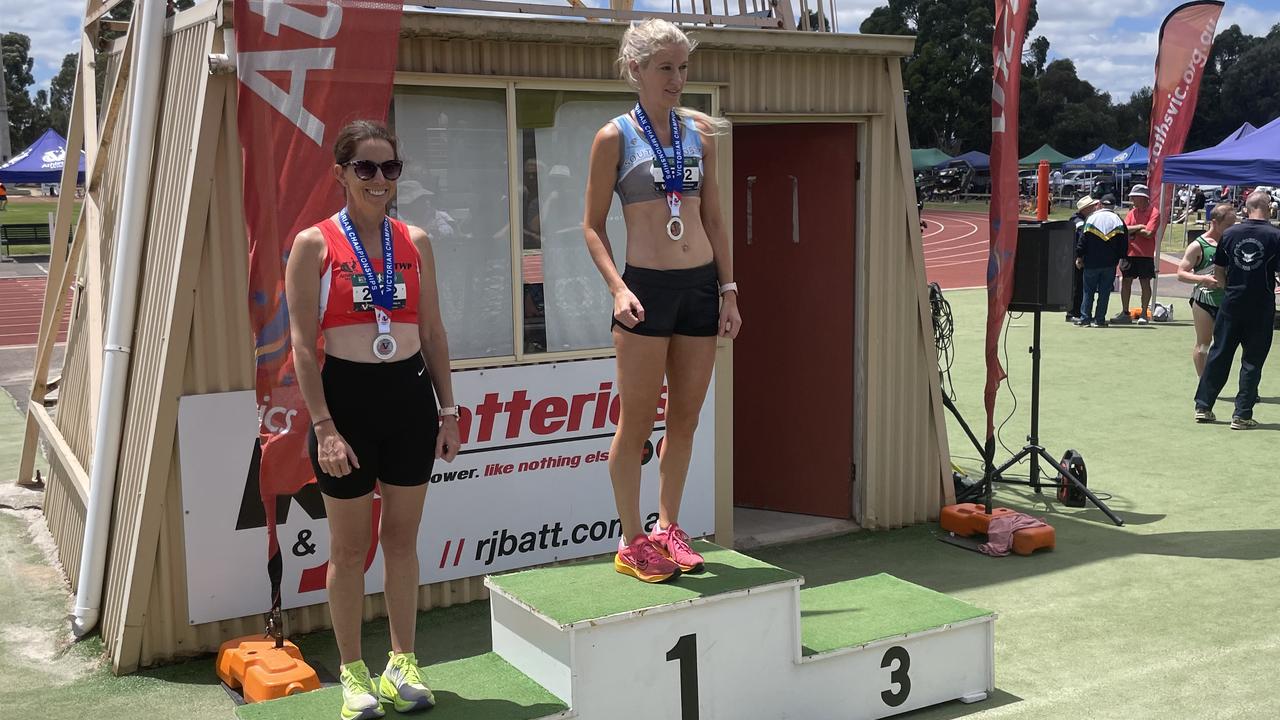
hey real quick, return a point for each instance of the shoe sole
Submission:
(626, 569)
(369, 714)
(1205, 419)
(405, 706)
(1242, 427)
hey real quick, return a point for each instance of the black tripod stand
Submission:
(1033, 449)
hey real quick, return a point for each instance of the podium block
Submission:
(739, 641)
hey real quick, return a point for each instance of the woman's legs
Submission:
(401, 518)
(1204, 337)
(350, 532)
(640, 370)
(690, 361)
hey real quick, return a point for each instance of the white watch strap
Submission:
(449, 410)
(728, 286)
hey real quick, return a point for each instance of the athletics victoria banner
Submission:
(1006, 78)
(305, 71)
(531, 486)
(1186, 39)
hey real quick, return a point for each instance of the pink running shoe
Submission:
(674, 544)
(644, 561)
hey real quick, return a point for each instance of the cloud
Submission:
(1112, 42)
(54, 29)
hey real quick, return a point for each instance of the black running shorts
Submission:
(387, 414)
(1139, 267)
(675, 302)
(1211, 309)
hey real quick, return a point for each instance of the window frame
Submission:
(512, 84)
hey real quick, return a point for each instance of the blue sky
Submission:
(1113, 42)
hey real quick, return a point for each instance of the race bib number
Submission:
(692, 175)
(362, 299)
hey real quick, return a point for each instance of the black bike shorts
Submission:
(387, 414)
(676, 302)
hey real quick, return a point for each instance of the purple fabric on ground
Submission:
(1001, 529)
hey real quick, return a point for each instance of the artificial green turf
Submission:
(485, 687)
(855, 612)
(588, 590)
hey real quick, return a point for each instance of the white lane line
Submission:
(949, 248)
(958, 262)
(973, 230)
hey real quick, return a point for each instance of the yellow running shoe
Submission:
(403, 686)
(359, 699)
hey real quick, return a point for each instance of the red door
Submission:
(793, 245)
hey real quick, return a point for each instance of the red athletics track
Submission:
(21, 300)
(955, 249)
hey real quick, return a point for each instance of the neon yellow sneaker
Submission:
(403, 686)
(359, 699)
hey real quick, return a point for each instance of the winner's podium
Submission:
(741, 641)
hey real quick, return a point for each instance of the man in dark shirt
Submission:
(1245, 264)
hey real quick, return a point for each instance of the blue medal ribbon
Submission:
(672, 175)
(383, 294)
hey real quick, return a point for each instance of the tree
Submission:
(811, 22)
(27, 119)
(948, 78)
(61, 89)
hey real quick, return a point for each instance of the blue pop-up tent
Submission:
(1253, 159)
(977, 160)
(40, 163)
(1244, 130)
(1098, 157)
(1133, 157)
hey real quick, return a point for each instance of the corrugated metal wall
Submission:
(901, 459)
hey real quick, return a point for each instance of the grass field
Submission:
(25, 211)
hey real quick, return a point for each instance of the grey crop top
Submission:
(637, 181)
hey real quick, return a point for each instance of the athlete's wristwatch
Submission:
(449, 411)
(728, 286)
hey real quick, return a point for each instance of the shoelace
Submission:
(361, 683)
(408, 667)
(679, 538)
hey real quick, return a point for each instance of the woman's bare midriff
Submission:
(355, 342)
(648, 245)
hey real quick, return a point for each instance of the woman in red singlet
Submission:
(367, 282)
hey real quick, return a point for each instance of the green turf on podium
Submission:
(484, 687)
(856, 612)
(571, 594)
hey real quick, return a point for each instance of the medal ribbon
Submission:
(382, 293)
(672, 174)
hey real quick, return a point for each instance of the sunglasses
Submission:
(366, 169)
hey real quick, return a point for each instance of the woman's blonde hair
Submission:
(639, 44)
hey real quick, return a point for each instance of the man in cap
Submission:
(1102, 241)
(1245, 264)
(1140, 263)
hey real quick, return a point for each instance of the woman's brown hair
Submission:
(356, 132)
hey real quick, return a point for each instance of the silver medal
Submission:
(384, 347)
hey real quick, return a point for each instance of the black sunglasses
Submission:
(366, 169)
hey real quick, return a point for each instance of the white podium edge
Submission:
(654, 610)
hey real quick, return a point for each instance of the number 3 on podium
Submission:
(685, 651)
(898, 677)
